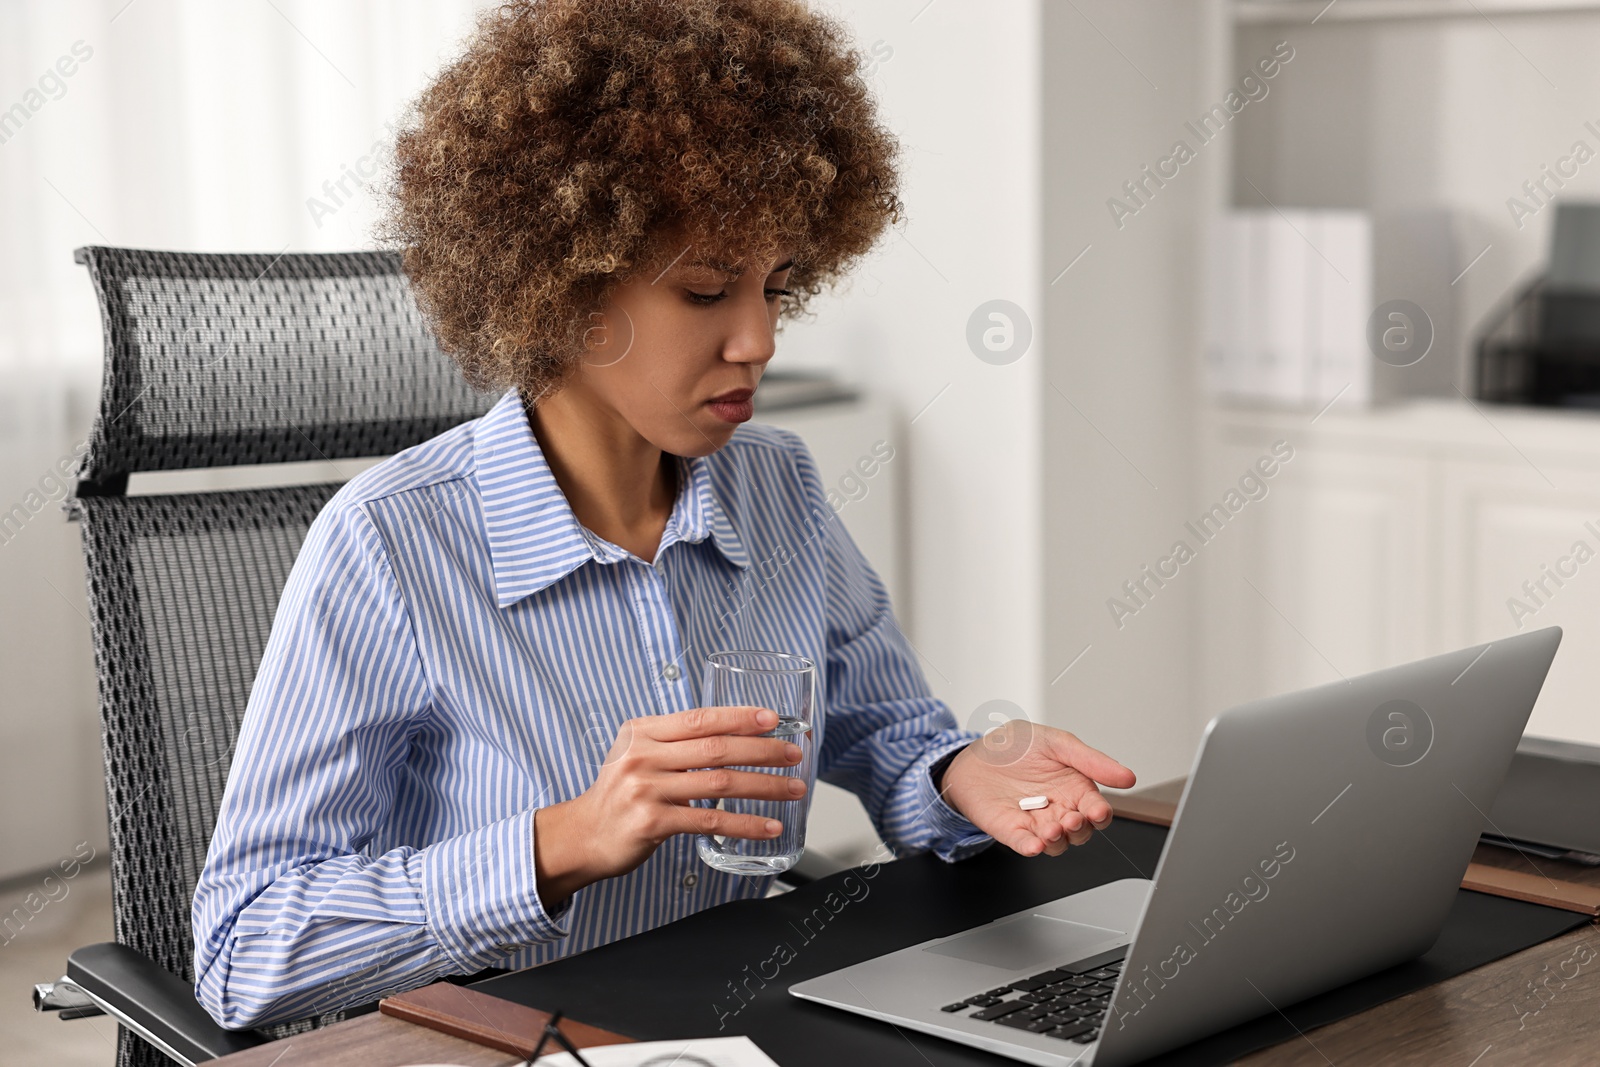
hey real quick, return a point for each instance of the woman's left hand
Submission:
(1023, 759)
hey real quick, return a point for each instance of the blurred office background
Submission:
(1086, 346)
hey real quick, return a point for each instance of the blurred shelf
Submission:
(1507, 433)
(782, 390)
(1304, 12)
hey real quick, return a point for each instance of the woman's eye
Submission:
(705, 299)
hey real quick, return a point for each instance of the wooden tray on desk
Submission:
(1498, 871)
(488, 1020)
(440, 1023)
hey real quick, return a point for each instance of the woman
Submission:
(475, 735)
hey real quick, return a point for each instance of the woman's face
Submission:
(670, 347)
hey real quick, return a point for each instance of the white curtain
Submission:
(203, 125)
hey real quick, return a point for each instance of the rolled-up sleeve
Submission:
(884, 730)
(294, 914)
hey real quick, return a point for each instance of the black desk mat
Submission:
(680, 980)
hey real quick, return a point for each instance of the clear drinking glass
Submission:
(787, 684)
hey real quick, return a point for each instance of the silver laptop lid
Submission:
(1321, 837)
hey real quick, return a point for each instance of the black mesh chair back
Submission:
(217, 361)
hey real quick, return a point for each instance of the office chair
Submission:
(214, 361)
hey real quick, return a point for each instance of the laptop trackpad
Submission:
(1029, 941)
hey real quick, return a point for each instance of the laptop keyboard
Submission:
(1067, 1002)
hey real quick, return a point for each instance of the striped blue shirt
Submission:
(454, 650)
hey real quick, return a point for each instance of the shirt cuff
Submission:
(955, 837)
(482, 896)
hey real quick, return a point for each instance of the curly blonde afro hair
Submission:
(579, 143)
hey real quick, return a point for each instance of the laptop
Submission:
(1321, 837)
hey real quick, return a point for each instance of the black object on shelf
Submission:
(1550, 802)
(780, 390)
(1543, 345)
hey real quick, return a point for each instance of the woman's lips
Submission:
(733, 410)
(736, 405)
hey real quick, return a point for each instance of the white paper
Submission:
(1225, 303)
(1343, 360)
(1282, 276)
(699, 1052)
(1286, 304)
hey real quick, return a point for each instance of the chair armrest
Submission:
(154, 1003)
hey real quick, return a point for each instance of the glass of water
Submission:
(786, 684)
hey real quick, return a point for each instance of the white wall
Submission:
(50, 780)
(1120, 80)
(959, 86)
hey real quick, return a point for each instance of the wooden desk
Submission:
(369, 1041)
(439, 1022)
(1485, 1017)
(1454, 1023)
(1541, 1005)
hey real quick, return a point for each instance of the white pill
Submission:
(1032, 803)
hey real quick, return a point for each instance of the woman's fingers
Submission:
(1095, 808)
(1089, 762)
(1051, 831)
(706, 722)
(1080, 795)
(718, 823)
(712, 737)
(1031, 833)
(1024, 843)
(726, 750)
(723, 782)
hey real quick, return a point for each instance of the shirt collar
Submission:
(535, 539)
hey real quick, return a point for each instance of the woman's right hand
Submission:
(656, 765)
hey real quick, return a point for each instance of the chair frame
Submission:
(112, 978)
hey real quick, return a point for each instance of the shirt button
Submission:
(691, 880)
(672, 672)
(508, 949)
